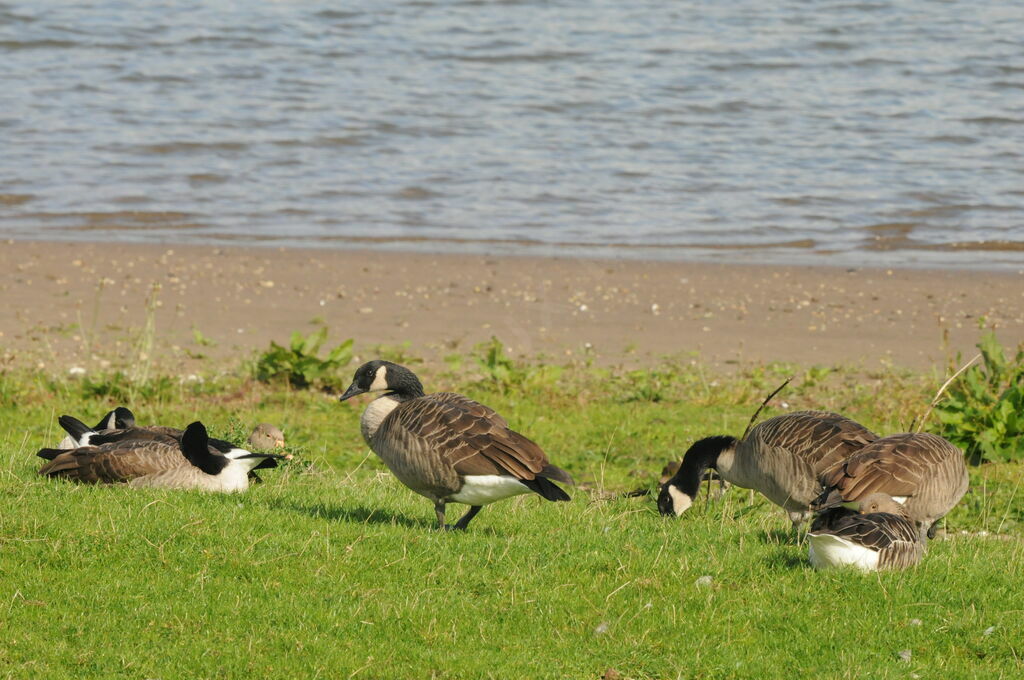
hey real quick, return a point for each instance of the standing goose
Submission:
(785, 458)
(447, 447)
(877, 536)
(188, 464)
(922, 471)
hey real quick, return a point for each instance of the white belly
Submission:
(484, 489)
(828, 551)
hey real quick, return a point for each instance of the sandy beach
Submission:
(85, 304)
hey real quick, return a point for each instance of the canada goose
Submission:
(118, 419)
(877, 536)
(784, 458)
(448, 447)
(188, 464)
(922, 471)
(80, 434)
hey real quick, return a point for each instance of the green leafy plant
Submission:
(502, 371)
(300, 364)
(983, 412)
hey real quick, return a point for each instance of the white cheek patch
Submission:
(900, 499)
(235, 453)
(680, 501)
(380, 380)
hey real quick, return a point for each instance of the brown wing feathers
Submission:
(896, 465)
(116, 462)
(473, 439)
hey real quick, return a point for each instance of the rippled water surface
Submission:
(832, 131)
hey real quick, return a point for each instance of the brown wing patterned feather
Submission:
(893, 536)
(115, 462)
(820, 438)
(468, 437)
(926, 469)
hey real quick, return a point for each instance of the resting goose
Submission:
(188, 464)
(922, 471)
(124, 429)
(447, 447)
(785, 458)
(118, 419)
(876, 536)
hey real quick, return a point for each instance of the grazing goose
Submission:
(877, 536)
(263, 436)
(785, 458)
(189, 464)
(922, 471)
(448, 447)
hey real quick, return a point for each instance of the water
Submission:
(837, 131)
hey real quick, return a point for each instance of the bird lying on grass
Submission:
(875, 536)
(191, 463)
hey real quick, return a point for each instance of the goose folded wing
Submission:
(896, 468)
(474, 408)
(468, 439)
(114, 462)
(871, 531)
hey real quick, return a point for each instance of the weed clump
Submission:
(983, 412)
(300, 365)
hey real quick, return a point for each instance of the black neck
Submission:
(699, 457)
(404, 395)
(195, 447)
(403, 384)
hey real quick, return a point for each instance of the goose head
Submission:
(265, 437)
(879, 502)
(195, 445)
(679, 492)
(384, 376)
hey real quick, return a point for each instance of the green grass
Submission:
(339, 573)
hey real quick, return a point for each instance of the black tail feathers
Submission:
(546, 488)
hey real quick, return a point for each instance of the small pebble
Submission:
(989, 631)
(601, 629)
(705, 581)
(904, 654)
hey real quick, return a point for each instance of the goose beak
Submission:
(352, 391)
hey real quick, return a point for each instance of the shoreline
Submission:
(71, 303)
(885, 254)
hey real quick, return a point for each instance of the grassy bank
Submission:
(332, 569)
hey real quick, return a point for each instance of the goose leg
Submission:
(932, 529)
(470, 514)
(439, 510)
(798, 519)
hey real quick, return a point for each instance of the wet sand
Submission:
(85, 305)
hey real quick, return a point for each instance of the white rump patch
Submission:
(380, 380)
(484, 489)
(828, 551)
(680, 501)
